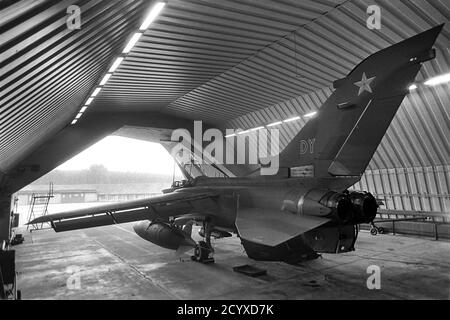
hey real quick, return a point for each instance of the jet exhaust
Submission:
(364, 205)
(344, 208)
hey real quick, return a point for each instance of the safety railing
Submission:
(417, 223)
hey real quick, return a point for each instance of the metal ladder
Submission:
(39, 207)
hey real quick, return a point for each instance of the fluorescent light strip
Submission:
(132, 42)
(311, 114)
(291, 119)
(275, 123)
(116, 64)
(230, 135)
(412, 87)
(96, 91)
(438, 80)
(156, 9)
(105, 79)
(152, 15)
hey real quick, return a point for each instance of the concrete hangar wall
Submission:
(232, 64)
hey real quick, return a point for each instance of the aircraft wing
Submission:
(271, 228)
(164, 206)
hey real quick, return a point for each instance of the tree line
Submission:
(99, 174)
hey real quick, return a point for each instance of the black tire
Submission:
(202, 251)
(374, 231)
(381, 230)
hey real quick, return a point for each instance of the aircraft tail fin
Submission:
(346, 131)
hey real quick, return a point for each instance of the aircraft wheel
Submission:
(202, 251)
(373, 231)
(381, 230)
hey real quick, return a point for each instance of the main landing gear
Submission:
(203, 251)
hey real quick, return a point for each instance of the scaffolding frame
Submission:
(39, 207)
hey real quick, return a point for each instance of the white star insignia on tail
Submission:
(364, 84)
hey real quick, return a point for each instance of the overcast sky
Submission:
(124, 154)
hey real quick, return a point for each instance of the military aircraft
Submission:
(287, 217)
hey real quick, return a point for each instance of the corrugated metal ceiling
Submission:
(48, 70)
(232, 63)
(194, 42)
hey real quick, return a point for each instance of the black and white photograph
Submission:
(225, 156)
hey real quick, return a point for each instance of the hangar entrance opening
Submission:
(114, 169)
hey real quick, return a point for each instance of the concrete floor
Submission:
(114, 263)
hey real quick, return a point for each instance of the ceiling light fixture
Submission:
(116, 64)
(291, 119)
(275, 123)
(88, 102)
(132, 42)
(105, 79)
(83, 109)
(311, 114)
(438, 80)
(152, 15)
(96, 91)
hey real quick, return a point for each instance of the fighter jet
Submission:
(286, 217)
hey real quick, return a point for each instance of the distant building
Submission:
(81, 193)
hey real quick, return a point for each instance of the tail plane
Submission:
(343, 136)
